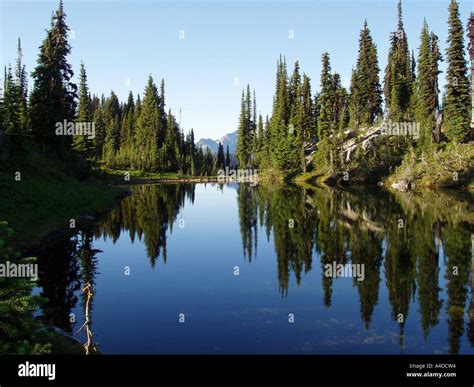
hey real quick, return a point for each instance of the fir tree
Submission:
(21, 83)
(456, 104)
(227, 157)
(147, 128)
(366, 92)
(325, 118)
(82, 143)
(11, 114)
(220, 158)
(53, 96)
(170, 157)
(398, 73)
(426, 90)
(112, 119)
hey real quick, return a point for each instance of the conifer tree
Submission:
(366, 92)
(325, 118)
(147, 128)
(11, 114)
(281, 131)
(227, 157)
(21, 83)
(245, 131)
(456, 103)
(220, 158)
(426, 90)
(398, 73)
(52, 99)
(112, 119)
(83, 144)
(170, 161)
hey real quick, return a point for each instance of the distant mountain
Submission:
(229, 139)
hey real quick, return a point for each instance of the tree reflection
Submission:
(406, 234)
(416, 242)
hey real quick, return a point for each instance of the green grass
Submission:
(117, 174)
(47, 197)
(449, 167)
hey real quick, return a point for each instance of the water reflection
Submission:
(414, 245)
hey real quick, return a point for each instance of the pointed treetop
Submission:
(400, 15)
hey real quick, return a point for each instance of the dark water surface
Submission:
(169, 253)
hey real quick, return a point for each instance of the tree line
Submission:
(302, 124)
(140, 133)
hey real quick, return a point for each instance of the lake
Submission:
(236, 269)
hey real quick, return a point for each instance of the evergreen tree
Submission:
(436, 57)
(208, 163)
(366, 92)
(53, 96)
(11, 114)
(245, 136)
(426, 89)
(21, 83)
(456, 104)
(398, 73)
(220, 158)
(148, 125)
(227, 157)
(83, 144)
(127, 131)
(20, 331)
(306, 125)
(170, 161)
(325, 118)
(112, 119)
(280, 130)
(99, 138)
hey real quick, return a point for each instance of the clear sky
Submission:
(122, 42)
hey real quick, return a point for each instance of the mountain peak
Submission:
(229, 139)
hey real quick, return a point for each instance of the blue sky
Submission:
(122, 42)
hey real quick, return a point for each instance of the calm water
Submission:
(172, 252)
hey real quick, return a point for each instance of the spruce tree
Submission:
(53, 96)
(11, 115)
(325, 118)
(398, 73)
(21, 83)
(220, 158)
(436, 57)
(279, 147)
(112, 119)
(244, 142)
(227, 157)
(307, 126)
(147, 128)
(83, 144)
(170, 161)
(426, 89)
(456, 103)
(366, 92)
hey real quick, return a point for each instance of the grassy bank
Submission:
(125, 177)
(449, 167)
(40, 195)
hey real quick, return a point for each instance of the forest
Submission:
(309, 131)
(308, 136)
(136, 134)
